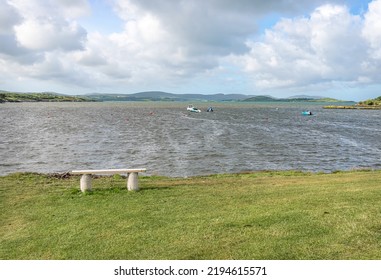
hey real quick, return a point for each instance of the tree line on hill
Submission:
(371, 102)
(6, 96)
(39, 97)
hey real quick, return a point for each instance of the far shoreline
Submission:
(352, 107)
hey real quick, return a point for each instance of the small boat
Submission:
(210, 109)
(307, 113)
(191, 108)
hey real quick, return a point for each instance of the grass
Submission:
(262, 215)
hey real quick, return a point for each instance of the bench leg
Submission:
(86, 182)
(132, 182)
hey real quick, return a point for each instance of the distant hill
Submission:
(6, 96)
(219, 97)
(304, 98)
(371, 102)
(260, 98)
(165, 96)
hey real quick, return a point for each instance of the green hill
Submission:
(265, 98)
(165, 96)
(260, 98)
(6, 96)
(371, 102)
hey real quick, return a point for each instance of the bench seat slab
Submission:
(108, 171)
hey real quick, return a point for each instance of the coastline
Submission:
(63, 174)
(286, 172)
(352, 107)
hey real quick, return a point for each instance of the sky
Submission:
(280, 48)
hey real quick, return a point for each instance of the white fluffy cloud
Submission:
(8, 17)
(174, 44)
(179, 40)
(49, 25)
(46, 35)
(372, 28)
(51, 8)
(329, 46)
(199, 28)
(35, 36)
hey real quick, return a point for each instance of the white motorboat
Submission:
(191, 108)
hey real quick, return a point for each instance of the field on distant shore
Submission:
(261, 215)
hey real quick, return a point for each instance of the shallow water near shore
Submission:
(167, 140)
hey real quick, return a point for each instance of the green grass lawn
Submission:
(263, 215)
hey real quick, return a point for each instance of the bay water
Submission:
(167, 140)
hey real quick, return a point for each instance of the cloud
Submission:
(10, 48)
(12, 52)
(180, 40)
(70, 9)
(329, 46)
(43, 25)
(45, 35)
(205, 27)
(177, 44)
(8, 18)
(183, 40)
(372, 28)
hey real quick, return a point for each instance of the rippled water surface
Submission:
(167, 140)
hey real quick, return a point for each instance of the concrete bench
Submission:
(132, 179)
